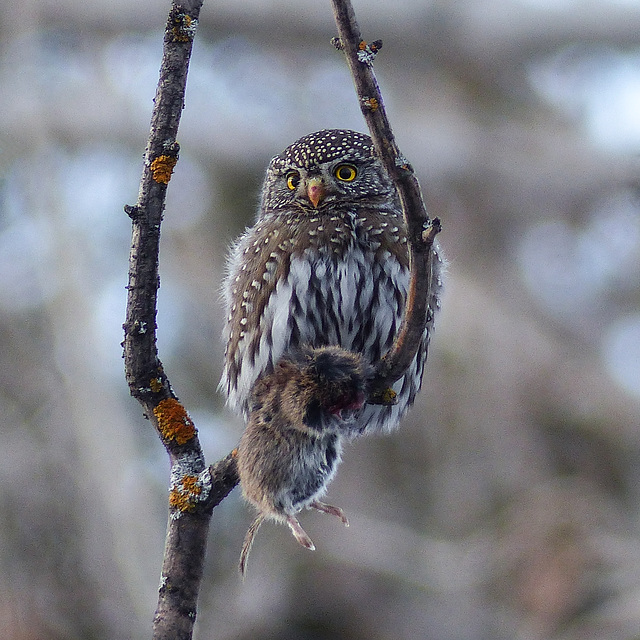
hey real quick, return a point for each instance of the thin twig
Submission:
(421, 230)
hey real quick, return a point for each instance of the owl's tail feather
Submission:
(248, 541)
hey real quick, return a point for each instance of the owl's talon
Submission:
(386, 397)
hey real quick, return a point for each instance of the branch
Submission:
(421, 230)
(194, 490)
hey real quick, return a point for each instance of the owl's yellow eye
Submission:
(346, 172)
(293, 180)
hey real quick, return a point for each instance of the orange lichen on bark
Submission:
(185, 496)
(174, 422)
(184, 29)
(367, 52)
(155, 385)
(162, 168)
(371, 103)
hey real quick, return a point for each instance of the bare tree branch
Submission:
(195, 490)
(421, 230)
(190, 497)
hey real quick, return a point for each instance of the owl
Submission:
(326, 263)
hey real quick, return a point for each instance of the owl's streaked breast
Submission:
(339, 285)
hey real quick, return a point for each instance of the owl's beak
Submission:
(315, 191)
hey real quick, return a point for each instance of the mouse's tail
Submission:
(248, 541)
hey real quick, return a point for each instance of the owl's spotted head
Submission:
(324, 146)
(324, 169)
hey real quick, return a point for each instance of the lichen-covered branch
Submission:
(421, 230)
(195, 489)
(192, 495)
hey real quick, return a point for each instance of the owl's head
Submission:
(325, 169)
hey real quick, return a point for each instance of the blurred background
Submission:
(508, 504)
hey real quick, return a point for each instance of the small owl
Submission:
(326, 263)
(299, 415)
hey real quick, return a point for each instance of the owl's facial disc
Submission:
(315, 190)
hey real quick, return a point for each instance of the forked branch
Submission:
(195, 489)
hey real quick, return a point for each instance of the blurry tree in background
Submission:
(507, 505)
